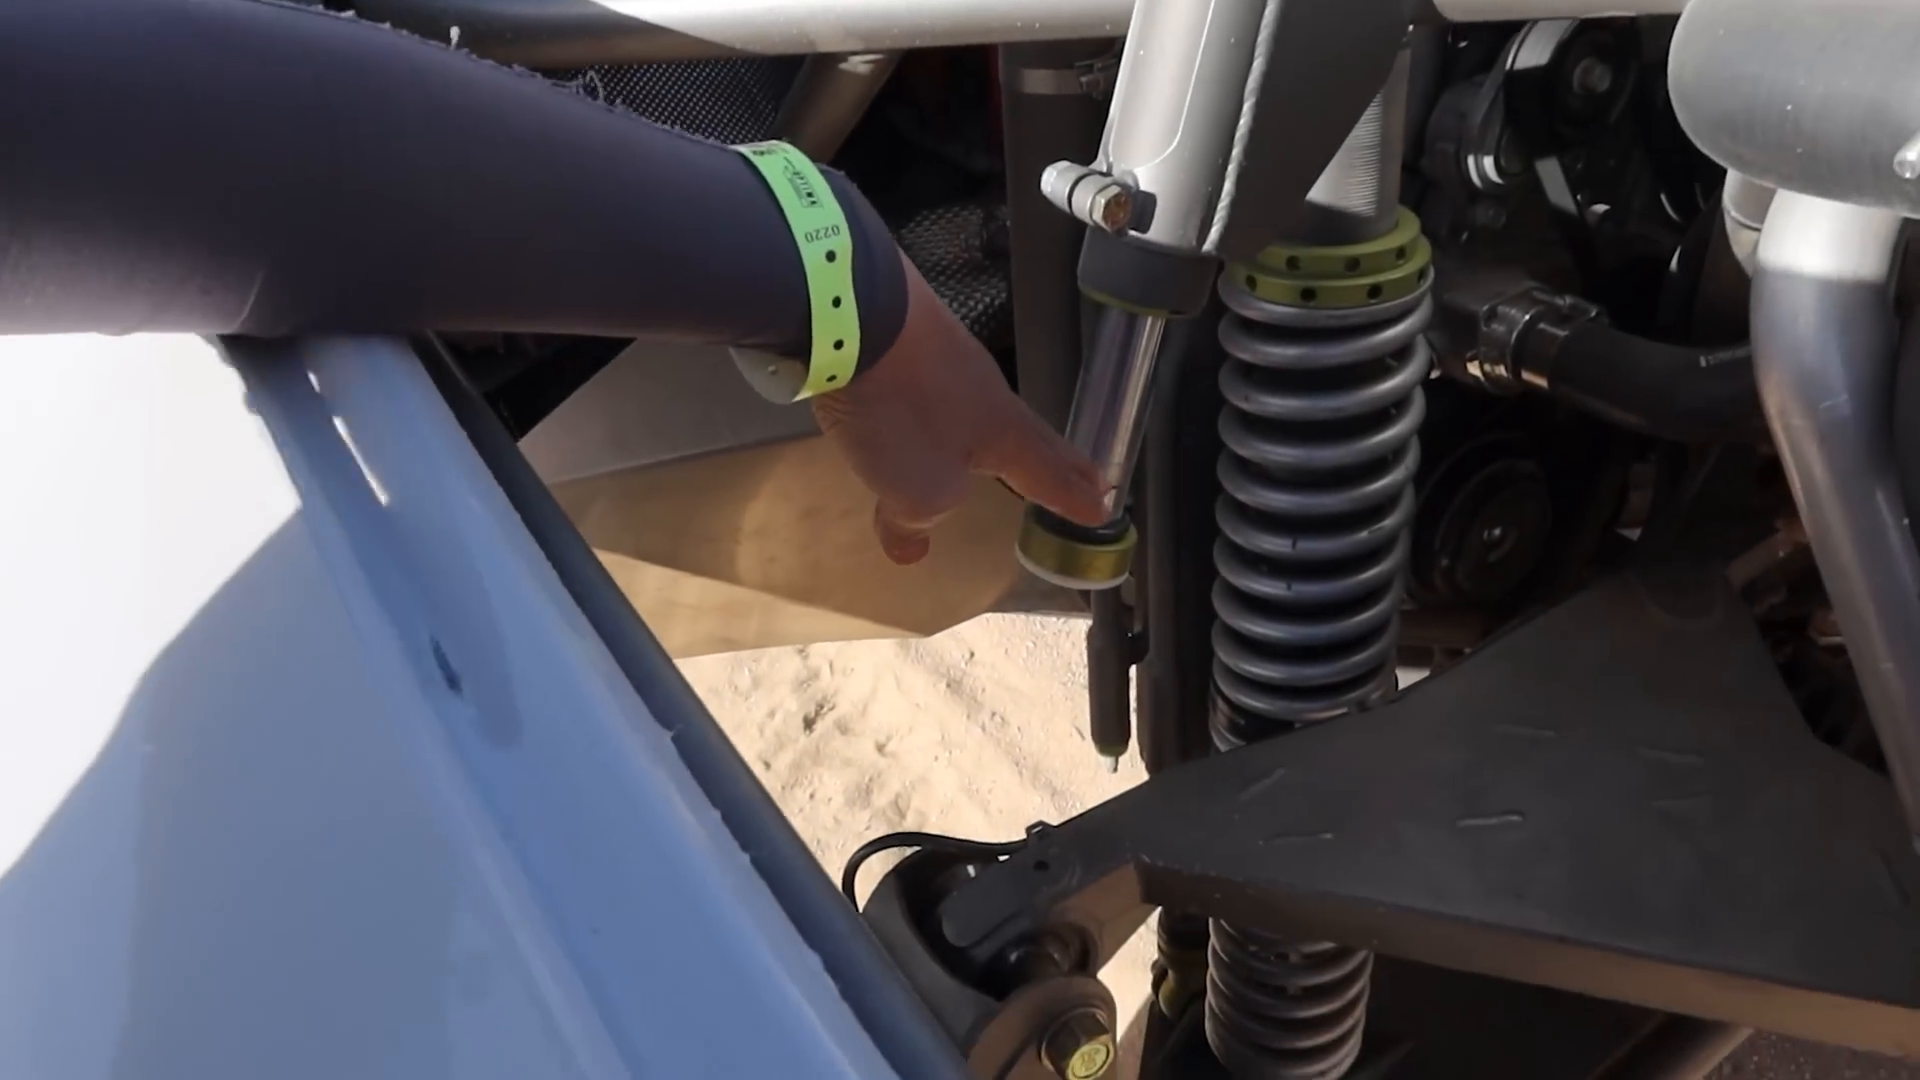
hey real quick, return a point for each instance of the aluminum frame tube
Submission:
(1824, 337)
(829, 98)
(1357, 198)
(581, 33)
(1506, 10)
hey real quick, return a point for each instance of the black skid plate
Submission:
(1617, 799)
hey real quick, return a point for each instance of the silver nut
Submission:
(1080, 1046)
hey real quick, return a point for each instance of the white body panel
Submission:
(303, 777)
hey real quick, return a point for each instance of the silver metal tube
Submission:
(587, 32)
(1110, 405)
(1504, 10)
(1357, 198)
(828, 99)
(580, 33)
(1824, 347)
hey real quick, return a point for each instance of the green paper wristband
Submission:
(825, 241)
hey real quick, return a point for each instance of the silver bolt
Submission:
(1090, 195)
(1592, 76)
(1112, 207)
(1906, 163)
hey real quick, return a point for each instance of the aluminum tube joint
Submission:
(650, 31)
(1357, 198)
(1824, 342)
(1744, 202)
(828, 99)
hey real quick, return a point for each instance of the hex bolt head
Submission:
(1080, 1046)
(1112, 207)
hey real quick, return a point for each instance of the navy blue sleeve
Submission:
(236, 166)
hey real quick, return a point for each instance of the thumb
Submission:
(1043, 467)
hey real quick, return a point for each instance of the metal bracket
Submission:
(1618, 799)
(1092, 78)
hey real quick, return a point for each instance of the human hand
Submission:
(934, 410)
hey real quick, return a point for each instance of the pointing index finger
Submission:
(1044, 468)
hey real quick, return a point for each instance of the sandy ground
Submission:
(978, 733)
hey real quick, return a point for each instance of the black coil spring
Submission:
(1281, 1009)
(1321, 430)
(1317, 507)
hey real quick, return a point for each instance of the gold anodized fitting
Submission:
(1071, 563)
(1380, 271)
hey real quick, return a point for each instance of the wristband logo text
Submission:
(802, 184)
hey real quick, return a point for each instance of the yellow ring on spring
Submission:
(1380, 271)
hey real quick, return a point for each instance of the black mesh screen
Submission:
(960, 247)
(733, 100)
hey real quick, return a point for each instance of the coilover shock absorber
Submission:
(1325, 357)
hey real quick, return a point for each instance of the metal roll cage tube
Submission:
(581, 33)
(1825, 342)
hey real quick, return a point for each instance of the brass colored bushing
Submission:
(1074, 557)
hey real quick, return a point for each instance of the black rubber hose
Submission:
(1679, 392)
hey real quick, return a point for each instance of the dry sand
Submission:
(978, 732)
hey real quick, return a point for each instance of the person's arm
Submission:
(248, 167)
(237, 166)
